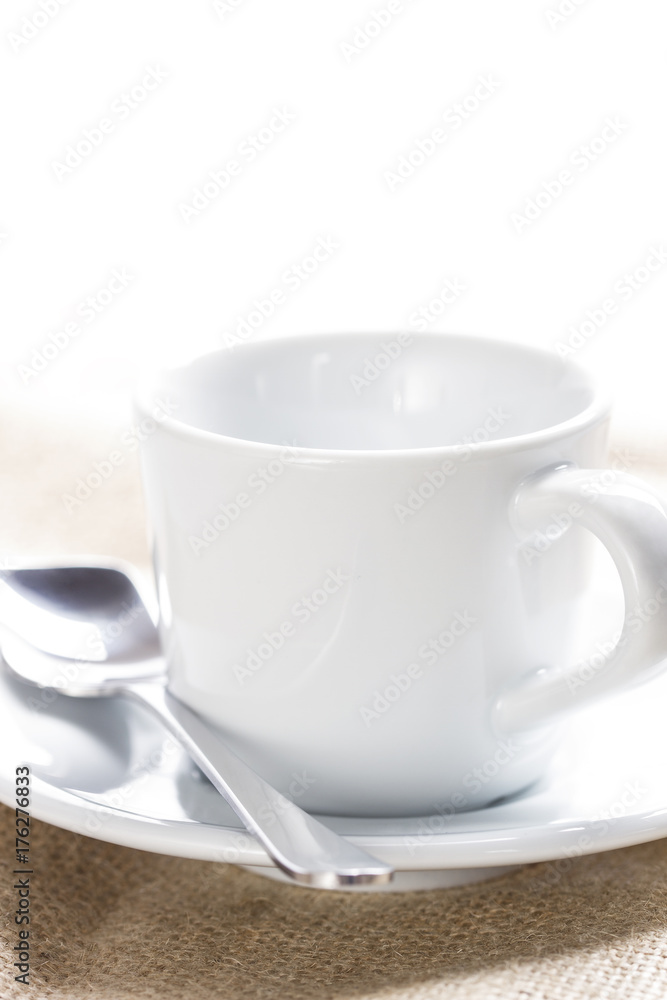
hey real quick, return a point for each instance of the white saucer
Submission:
(106, 769)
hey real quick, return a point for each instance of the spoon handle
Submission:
(299, 844)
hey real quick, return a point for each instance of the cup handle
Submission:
(631, 521)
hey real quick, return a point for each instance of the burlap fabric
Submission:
(116, 923)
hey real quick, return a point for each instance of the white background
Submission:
(357, 108)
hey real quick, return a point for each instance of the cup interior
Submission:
(373, 392)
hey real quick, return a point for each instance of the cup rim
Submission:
(147, 391)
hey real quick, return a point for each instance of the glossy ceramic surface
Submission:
(370, 557)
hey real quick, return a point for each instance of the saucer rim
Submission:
(464, 849)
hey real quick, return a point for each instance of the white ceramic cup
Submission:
(369, 557)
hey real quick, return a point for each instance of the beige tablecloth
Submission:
(113, 922)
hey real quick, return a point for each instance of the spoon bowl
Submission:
(89, 612)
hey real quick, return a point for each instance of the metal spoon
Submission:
(92, 612)
(71, 611)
